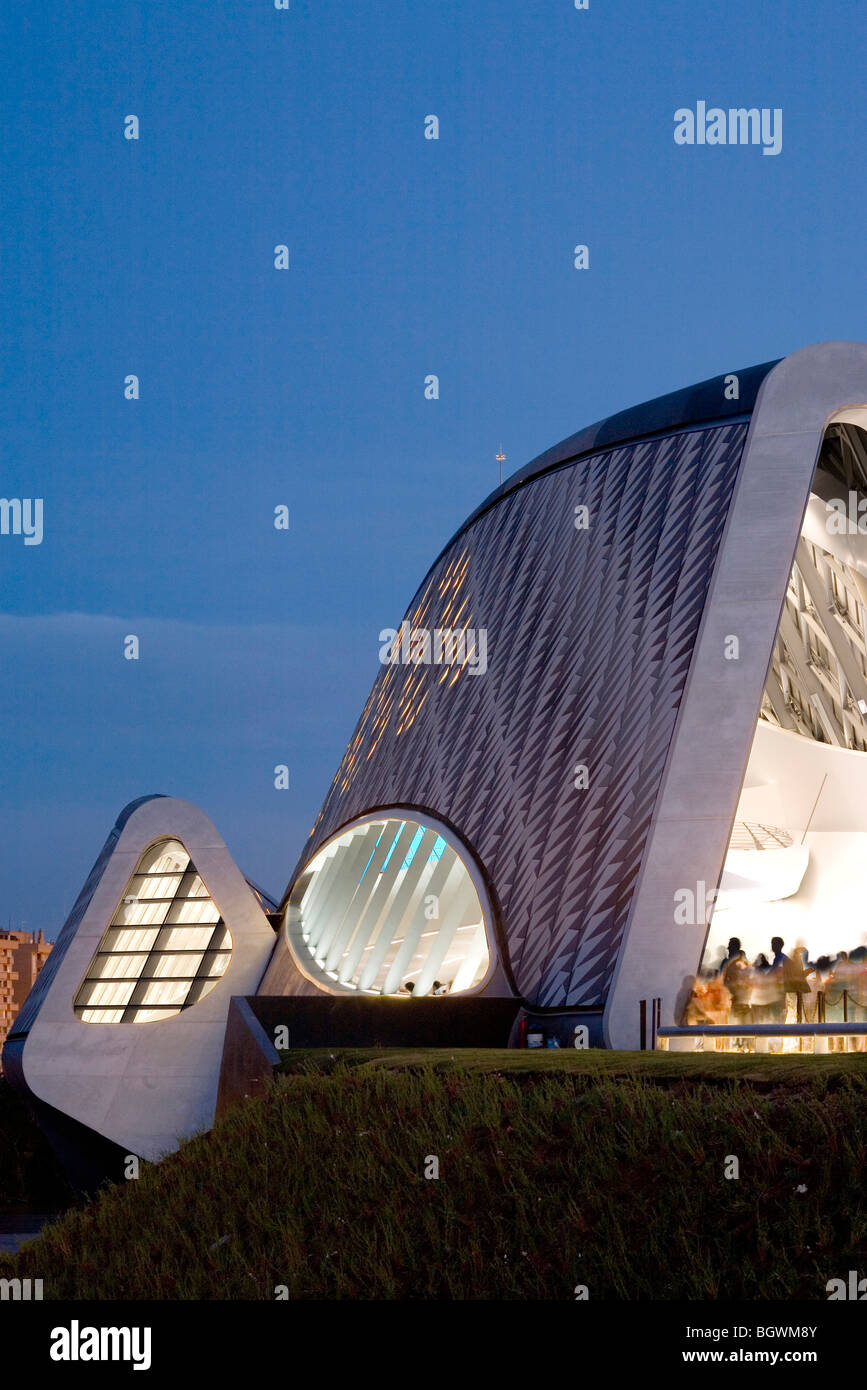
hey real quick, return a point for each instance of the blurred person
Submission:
(791, 984)
(816, 975)
(795, 987)
(710, 1002)
(837, 996)
(858, 994)
(767, 1000)
(794, 981)
(738, 980)
(733, 951)
(819, 978)
(779, 961)
(781, 966)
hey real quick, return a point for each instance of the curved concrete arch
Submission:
(716, 723)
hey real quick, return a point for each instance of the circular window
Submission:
(390, 906)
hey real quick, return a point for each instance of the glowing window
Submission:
(165, 948)
(391, 907)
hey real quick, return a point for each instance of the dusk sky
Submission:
(306, 387)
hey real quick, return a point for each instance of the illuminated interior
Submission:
(797, 861)
(390, 907)
(165, 948)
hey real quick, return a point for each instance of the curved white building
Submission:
(633, 684)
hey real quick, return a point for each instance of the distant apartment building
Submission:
(22, 956)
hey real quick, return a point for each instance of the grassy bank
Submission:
(554, 1170)
(662, 1067)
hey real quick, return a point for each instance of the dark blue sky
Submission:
(306, 387)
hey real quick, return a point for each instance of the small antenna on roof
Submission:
(501, 459)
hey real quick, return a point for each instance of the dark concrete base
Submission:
(249, 1057)
(557, 1028)
(249, 1051)
(365, 1021)
(88, 1159)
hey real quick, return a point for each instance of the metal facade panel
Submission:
(589, 635)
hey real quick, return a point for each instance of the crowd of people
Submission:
(781, 988)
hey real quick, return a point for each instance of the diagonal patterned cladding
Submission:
(590, 635)
(817, 683)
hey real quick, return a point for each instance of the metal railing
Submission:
(848, 1026)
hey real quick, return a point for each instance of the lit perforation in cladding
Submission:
(590, 635)
(443, 603)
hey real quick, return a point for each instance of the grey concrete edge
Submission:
(719, 710)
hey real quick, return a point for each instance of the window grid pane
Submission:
(146, 968)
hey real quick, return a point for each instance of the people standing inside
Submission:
(737, 978)
(709, 1002)
(845, 982)
(780, 965)
(795, 989)
(835, 997)
(858, 991)
(794, 982)
(816, 973)
(766, 996)
(733, 951)
(778, 959)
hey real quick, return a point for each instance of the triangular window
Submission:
(165, 948)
